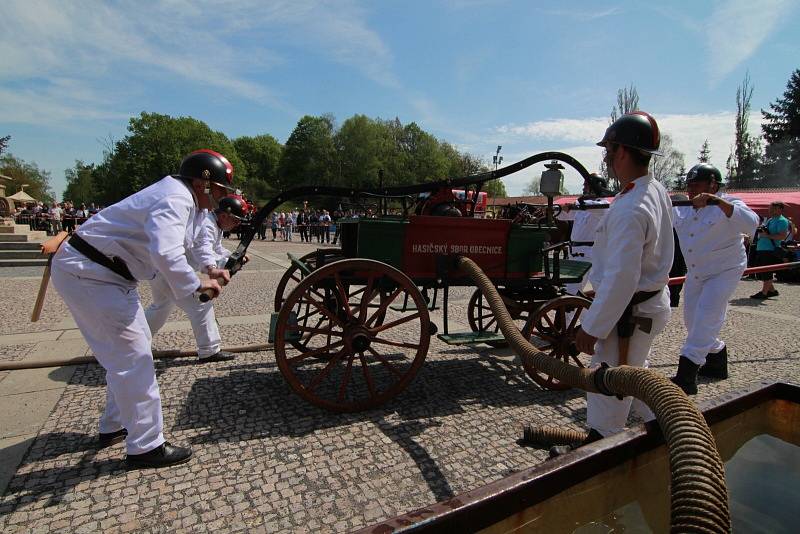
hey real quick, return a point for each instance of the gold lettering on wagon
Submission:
(445, 248)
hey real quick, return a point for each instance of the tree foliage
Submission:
(667, 168)
(705, 153)
(260, 155)
(781, 129)
(80, 184)
(4, 143)
(154, 148)
(627, 101)
(744, 161)
(35, 180)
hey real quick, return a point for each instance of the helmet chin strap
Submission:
(211, 201)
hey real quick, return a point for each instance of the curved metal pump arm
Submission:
(235, 261)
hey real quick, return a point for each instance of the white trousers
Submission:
(705, 304)
(200, 314)
(609, 415)
(108, 313)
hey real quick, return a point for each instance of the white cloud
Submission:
(737, 28)
(226, 46)
(576, 137)
(573, 130)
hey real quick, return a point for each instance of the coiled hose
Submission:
(699, 497)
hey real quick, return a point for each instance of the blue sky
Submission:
(530, 76)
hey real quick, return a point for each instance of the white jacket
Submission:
(711, 242)
(633, 250)
(148, 231)
(584, 226)
(207, 249)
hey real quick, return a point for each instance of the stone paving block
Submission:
(30, 380)
(61, 348)
(23, 413)
(12, 450)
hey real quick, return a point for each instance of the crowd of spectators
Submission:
(313, 225)
(54, 218)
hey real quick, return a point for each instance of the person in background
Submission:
(768, 248)
(325, 227)
(585, 224)
(710, 236)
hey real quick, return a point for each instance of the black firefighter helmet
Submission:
(232, 205)
(637, 129)
(704, 172)
(598, 185)
(206, 164)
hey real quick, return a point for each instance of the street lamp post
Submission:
(497, 159)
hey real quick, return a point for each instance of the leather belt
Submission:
(114, 263)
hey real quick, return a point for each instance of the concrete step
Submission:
(20, 255)
(35, 236)
(15, 229)
(23, 263)
(19, 245)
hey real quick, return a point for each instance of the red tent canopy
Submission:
(760, 201)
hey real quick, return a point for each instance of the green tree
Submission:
(35, 180)
(260, 157)
(744, 161)
(80, 184)
(309, 156)
(705, 153)
(154, 148)
(4, 143)
(361, 150)
(781, 129)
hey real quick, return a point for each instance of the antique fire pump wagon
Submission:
(352, 326)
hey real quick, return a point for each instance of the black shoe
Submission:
(716, 365)
(221, 356)
(559, 450)
(773, 293)
(162, 456)
(108, 439)
(686, 378)
(759, 296)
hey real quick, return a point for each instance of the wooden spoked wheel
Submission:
(351, 362)
(552, 329)
(481, 318)
(294, 275)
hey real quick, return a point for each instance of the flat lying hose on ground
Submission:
(699, 497)
(157, 355)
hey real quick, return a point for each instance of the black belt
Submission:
(114, 263)
(626, 325)
(582, 243)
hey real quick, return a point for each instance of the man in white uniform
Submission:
(206, 255)
(711, 242)
(585, 224)
(632, 255)
(96, 273)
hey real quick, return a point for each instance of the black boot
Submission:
(686, 377)
(716, 365)
(558, 450)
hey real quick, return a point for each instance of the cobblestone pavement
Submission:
(267, 460)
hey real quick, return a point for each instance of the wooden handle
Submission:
(208, 294)
(37, 307)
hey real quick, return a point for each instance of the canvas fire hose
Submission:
(698, 494)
